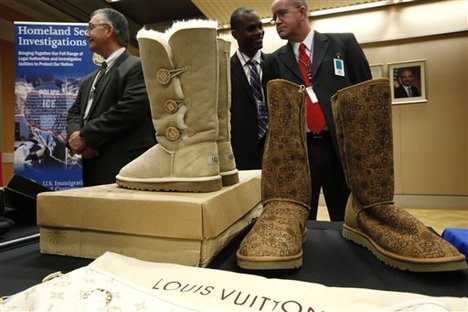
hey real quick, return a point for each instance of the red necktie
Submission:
(315, 118)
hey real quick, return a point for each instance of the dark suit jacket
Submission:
(282, 64)
(244, 126)
(119, 124)
(400, 92)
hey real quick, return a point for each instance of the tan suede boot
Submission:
(364, 129)
(227, 163)
(275, 241)
(181, 76)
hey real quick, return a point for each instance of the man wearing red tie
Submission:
(323, 63)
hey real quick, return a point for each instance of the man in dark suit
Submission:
(247, 139)
(334, 61)
(406, 88)
(110, 122)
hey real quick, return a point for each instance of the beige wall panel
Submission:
(398, 21)
(430, 139)
(367, 26)
(432, 17)
(434, 134)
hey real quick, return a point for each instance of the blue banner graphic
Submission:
(50, 59)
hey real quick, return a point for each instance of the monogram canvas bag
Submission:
(117, 283)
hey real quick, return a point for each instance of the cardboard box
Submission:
(184, 228)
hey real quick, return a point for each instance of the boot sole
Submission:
(400, 262)
(269, 263)
(230, 179)
(182, 186)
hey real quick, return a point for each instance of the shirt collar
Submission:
(308, 41)
(113, 57)
(244, 58)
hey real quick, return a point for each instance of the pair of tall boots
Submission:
(187, 74)
(364, 130)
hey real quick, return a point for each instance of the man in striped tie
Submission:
(249, 116)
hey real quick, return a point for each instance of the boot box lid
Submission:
(110, 208)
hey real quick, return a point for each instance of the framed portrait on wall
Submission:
(376, 71)
(408, 81)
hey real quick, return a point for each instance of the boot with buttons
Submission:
(227, 162)
(180, 68)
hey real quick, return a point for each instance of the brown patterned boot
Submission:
(364, 129)
(275, 241)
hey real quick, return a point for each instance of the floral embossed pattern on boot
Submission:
(364, 128)
(275, 241)
(285, 165)
(401, 233)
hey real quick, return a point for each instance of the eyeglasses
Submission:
(92, 26)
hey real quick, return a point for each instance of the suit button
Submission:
(163, 76)
(172, 134)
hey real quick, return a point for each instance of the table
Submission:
(328, 259)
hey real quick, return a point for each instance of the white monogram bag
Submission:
(117, 283)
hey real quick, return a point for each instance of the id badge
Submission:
(339, 67)
(311, 94)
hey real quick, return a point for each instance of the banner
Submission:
(50, 61)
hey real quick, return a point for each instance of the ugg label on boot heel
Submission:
(213, 160)
(227, 158)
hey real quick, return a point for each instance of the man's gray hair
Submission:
(118, 21)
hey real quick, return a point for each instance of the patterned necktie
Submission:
(257, 94)
(315, 118)
(100, 74)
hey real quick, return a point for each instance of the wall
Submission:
(430, 139)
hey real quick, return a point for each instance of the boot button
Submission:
(163, 76)
(170, 106)
(172, 133)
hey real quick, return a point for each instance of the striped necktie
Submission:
(257, 94)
